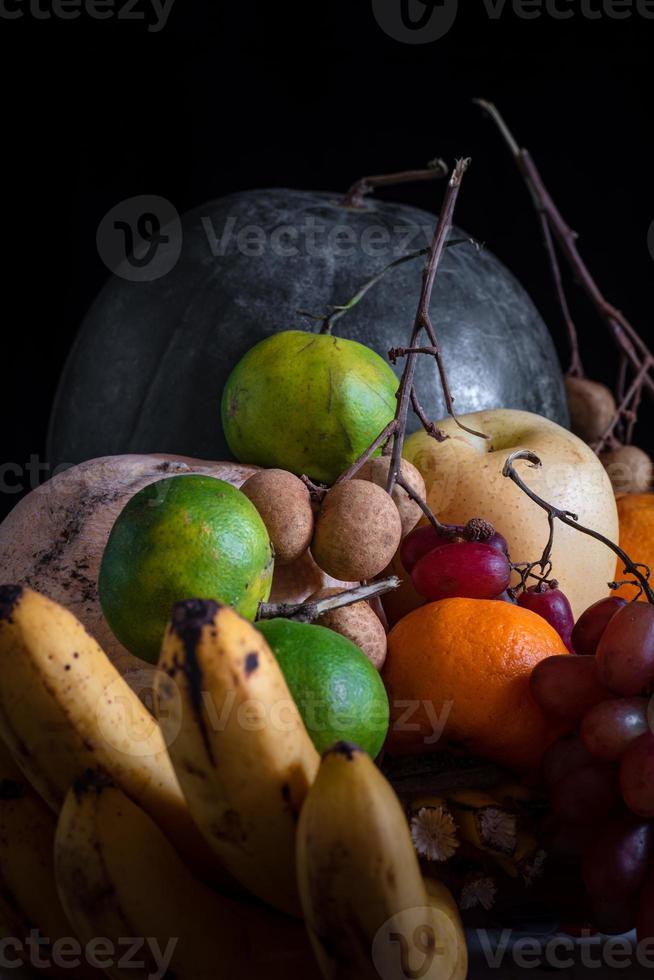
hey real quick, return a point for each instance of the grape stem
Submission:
(312, 609)
(365, 185)
(635, 355)
(570, 519)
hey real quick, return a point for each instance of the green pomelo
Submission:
(309, 403)
(338, 692)
(182, 537)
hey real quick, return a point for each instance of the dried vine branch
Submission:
(365, 185)
(570, 519)
(633, 348)
(312, 609)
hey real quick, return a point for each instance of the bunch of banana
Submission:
(119, 877)
(28, 892)
(227, 753)
(368, 910)
(64, 708)
(239, 746)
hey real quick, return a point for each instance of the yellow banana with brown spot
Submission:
(64, 708)
(238, 743)
(119, 877)
(365, 902)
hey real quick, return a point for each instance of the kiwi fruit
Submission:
(376, 471)
(284, 503)
(357, 532)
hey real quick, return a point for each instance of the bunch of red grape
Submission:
(451, 563)
(601, 775)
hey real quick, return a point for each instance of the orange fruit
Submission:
(457, 674)
(636, 517)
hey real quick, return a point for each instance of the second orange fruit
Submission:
(636, 516)
(467, 662)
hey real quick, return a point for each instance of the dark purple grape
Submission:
(586, 795)
(553, 606)
(567, 686)
(564, 756)
(615, 862)
(469, 570)
(626, 651)
(637, 776)
(590, 626)
(609, 727)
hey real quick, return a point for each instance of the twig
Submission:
(423, 322)
(312, 609)
(576, 368)
(423, 505)
(626, 410)
(381, 439)
(362, 187)
(624, 335)
(570, 519)
(335, 313)
(430, 427)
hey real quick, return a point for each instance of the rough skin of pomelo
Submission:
(309, 403)
(183, 537)
(339, 693)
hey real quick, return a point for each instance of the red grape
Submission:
(567, 686)
(615, 862)
(610, 727)
(590, 626)
(564, 756)
(553, 606)
(469, 570)
(586, 795)
(637, 776)
(422, 540)
(614, 917)
(625, 653)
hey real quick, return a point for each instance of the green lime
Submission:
(308, 403)
(184, 537)
(338, 692)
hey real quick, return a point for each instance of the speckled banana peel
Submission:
(443, 900)
(118, 876)
(28, 893)
(64, 708)
(366, 905)
(239, 746)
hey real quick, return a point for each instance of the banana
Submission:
(366, 905)
(28, 894)
(240, 749)
(442, 899)
(118, 876)
(64, 708)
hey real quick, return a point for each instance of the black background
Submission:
(312, 96)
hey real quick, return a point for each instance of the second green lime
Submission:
(340, 695)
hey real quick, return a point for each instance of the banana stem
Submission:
(312, 609)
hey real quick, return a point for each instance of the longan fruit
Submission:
(359, 623)
(376, 471)
(630, 469)
(592, 407)
(284, 504)
(357, 532)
